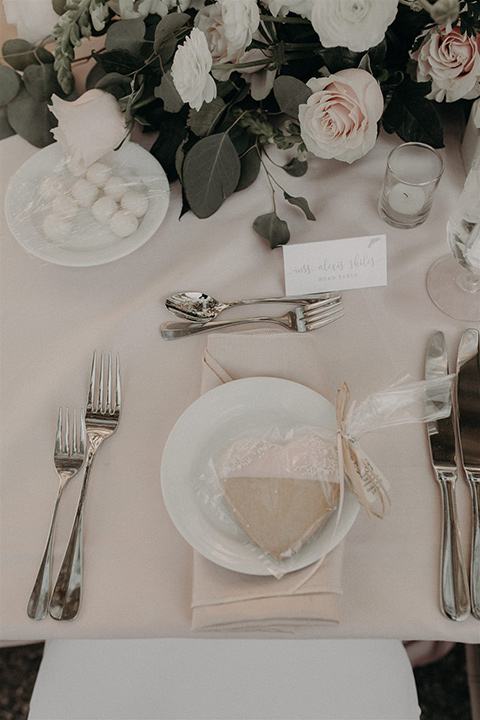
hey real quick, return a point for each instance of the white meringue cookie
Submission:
(56, 228)
(51, 187)
(85, 192)
(116, 187)
(104, 208)
(99, 173)
(135, 202)
(65, 207)
(123, 223)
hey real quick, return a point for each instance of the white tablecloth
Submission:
(138, 570)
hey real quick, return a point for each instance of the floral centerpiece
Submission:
(222, 81)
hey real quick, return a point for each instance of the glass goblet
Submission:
(453, 281)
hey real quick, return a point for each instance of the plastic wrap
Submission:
(64, 212)
(279, 486)
(419, 402)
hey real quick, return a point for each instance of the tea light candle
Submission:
(406, 199)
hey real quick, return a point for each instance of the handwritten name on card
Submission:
(335, 264)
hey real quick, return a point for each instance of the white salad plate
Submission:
(192, 495)
(89, 242)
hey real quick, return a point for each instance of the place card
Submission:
(345, 264)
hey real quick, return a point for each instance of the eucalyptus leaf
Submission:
(301, 203)
(10, 84)
(165, 40)
(296, 167)
(250, 167)
(126, 35)
(115, 83)
(59, 6)
(119, 61)
(290, 92)
(31, 119)
(211, 172)
(270, 227)
(166, 91)
(412, 116)
(203, 121)
(18, 53)
(171, 135)
(94, 76)
(41, 82)
(6, 129)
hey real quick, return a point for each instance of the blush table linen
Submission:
(138, 569)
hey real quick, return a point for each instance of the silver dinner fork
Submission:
(68, 458)
(301, 319)
(101, 420)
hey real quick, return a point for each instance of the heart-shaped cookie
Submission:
(281, 491)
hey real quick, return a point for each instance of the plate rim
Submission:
(123, 247)
(169, 460)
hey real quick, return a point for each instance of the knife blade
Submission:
(454, 593)
(468, 413)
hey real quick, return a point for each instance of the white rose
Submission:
(355, 24)
(35, 19)
(339, 119)
(88, 127)
(191, 67)
(241, 19)
(283, 7)
(210, 21)
(132, 9)
(451, 60)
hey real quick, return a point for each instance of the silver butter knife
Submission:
(468, 409)
(454, 595)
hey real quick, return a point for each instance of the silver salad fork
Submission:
(302, 319)
(68, 458)
(101, 421)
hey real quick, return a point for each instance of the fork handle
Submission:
(66, 596)
(38, 603)
(172, 330)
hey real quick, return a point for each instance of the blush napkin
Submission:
(224, 600)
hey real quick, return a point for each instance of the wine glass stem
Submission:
(468, 281)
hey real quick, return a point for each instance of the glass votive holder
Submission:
(413, 172)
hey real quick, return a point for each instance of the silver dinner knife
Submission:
(454, 594)
(468, 409)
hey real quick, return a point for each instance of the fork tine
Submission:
(318, 313)
(325, 320)
(101, 386)
(108, 396)
(118, 392)
(74, 445)
(66, 435)
(83, 434)
(59, 433)
(91, 387)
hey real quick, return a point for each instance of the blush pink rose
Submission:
(339, 119)
(451, 60)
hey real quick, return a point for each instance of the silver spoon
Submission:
(199, 307)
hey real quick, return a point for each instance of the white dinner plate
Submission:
(195, 506)
(89, 243)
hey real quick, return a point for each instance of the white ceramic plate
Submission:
(207, 426)
(89, 243)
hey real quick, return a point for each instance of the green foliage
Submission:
(272, 228)
(224, 146)
(26, 88)
(211, 171)
(412, 116)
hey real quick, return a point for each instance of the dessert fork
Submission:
(101, 420)
(301, 319)
(68, 458)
